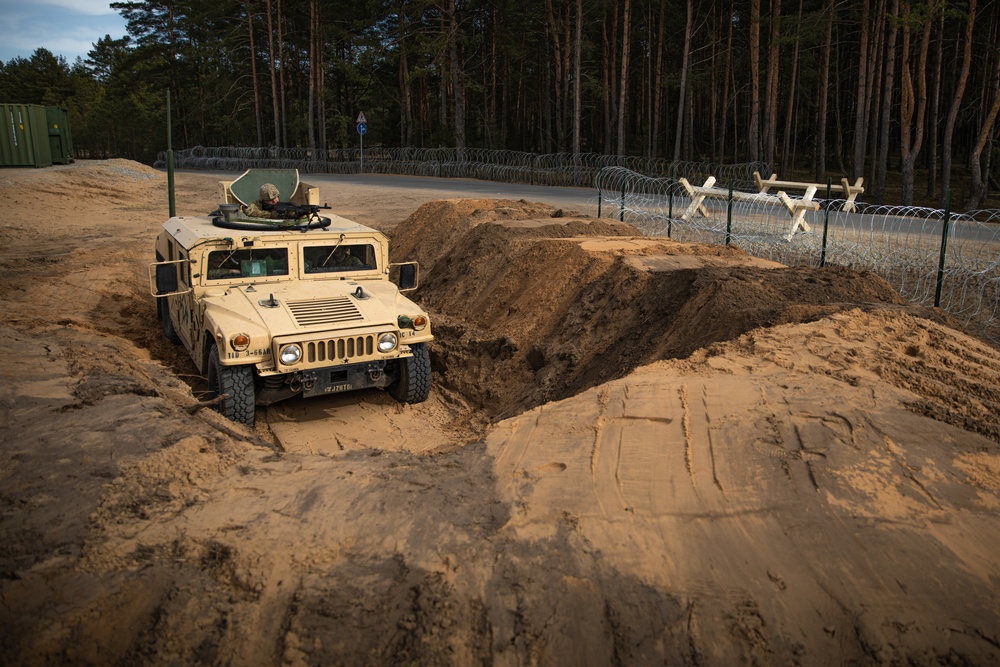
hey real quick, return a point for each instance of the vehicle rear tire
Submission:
(163, 314)
(414, 383)
(237, 383)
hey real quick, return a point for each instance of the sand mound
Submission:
(750, 464)
(537, 307)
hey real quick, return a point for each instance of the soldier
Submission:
(345, 259)
(264, 207)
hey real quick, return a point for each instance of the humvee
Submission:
(270, 309)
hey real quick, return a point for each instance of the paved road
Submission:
(560, 197)
(585, 200)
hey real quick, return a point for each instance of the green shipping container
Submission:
(24, 139)
(60, 137)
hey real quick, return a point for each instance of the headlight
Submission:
(290, 354)
(387, 342)
(240, 342)
(419, 323)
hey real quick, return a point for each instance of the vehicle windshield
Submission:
(343, 257)
(247, 263)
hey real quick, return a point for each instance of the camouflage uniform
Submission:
(346, 260)
(258, 209)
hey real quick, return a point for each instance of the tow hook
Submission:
(308, 380)
(301, 381)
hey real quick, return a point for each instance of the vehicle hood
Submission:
(290, 308)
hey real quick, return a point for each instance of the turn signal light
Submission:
(240, 342)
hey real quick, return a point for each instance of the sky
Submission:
(67, 28)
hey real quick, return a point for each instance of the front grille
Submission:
(324, 311)
(339, 349)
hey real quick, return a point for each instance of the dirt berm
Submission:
(636, 451)
(538, 308)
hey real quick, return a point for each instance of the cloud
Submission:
(86, 7)
(56, 25)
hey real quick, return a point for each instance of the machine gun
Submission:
(290, 211)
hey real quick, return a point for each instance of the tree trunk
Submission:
(443, 77)
(577, 50)
(560, 73)
(320, 88)
(458, 80)
(274, 74)
(861, 111)
(819, 164)
(890, 56)
(257, 112)
(685, 60)
(876, 72)
(610, 60)
(771, 101)
(789, 112)
(282, 78)
(728, 78)
(491, 105)
(405, 97)
(714, 99)
(935, 108)
(753, 136)
(657, 91)
(978, 186)
(311, 113)
(911, 140)
(623, 85)
(406, 115)
(949, 127)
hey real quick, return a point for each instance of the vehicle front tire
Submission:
(237, 383)
(414, 383)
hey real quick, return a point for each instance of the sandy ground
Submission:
(636, 451)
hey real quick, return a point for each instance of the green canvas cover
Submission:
(246, 188)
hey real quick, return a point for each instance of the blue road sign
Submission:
(362, 128)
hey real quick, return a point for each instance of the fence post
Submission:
(729, 214)
(600, 195)
(532, 179)
(944, 249)
(670, 216)
(826, 220)
(621, 215)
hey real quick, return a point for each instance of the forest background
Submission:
(904, 93)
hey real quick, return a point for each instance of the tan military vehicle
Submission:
(271, 309)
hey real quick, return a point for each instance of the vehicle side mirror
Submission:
(406, 279)
(407, 276)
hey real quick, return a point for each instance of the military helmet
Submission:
(268, 192)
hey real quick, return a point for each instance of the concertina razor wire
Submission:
(900, 244)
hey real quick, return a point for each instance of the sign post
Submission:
(362, 128)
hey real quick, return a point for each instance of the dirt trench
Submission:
(533, 304)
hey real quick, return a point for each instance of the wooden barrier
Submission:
(796, 207)
(849, 191)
